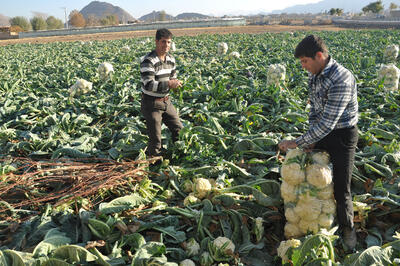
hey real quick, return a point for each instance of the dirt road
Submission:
(176, 32)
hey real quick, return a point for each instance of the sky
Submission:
(138, 8)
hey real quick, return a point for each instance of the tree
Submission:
(374, 7)
(54, 23)
(336, 11)
(162, 16)
(22, 22)
(393, 6)
(76, 19)
(38, 23)
(110, 20)
(92, 20)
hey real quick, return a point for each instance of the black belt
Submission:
(156, 98)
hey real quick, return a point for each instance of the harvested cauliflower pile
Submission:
(391, 53)
(276, 74)
(390, 75)
(105, 70)
(80, 87)
(307, 192)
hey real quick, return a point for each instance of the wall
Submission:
(139, 26)
(383, 24)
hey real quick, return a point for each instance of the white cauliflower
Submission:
(293, 153)
(292, 173)
(222, 48)
(276, 74)
(291, 215)
(190, 200)
(202, 187)
(105, 70)
(325, 220)
(318, 175)
(326, 193)
(321, 158)
(391, 53)
(187, 186)
(192, 247)
(233, 55)
(187, 262)
(288, 192)
(126, 48)
(307, 226)
(284, 246)
(81, 86)
(390, 75)
(221, 241)
(292, 231)
(308, 208)
(329, 206)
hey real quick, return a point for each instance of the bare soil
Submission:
(251, 29)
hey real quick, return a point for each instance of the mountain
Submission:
(325, 5)
(102, 9)
(189, 16)
(4, 21)
(155, 16)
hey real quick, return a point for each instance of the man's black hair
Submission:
(163, 33)
(309, 47)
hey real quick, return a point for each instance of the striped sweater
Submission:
(155, 74)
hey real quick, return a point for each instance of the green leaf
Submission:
(74, 254)
(99, 228)
(50, 243)
(371, 256)
(123, 203)
(55, 262)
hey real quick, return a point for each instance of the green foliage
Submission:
(38, 23)
(54, 23)
(21, 22)
(374, 7)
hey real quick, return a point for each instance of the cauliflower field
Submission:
(226, 158)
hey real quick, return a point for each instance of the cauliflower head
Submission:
(325, 220)
(187, 262)
(190, 200)
(321, 158)
(292, 231)
(284, 246)
(293, 153)
(292, 173)
(222, 48)
(318, 175)
(105, 69)
(291, 215)
(288, 192)
(307, 226)
(192, 247)
(221, 241)
(329, 206)
(326, 193)
(201, 187)
(308, 208)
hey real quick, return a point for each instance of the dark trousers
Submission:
(341, 145)
(157, 111)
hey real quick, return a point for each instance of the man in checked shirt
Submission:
(332, 123)
(158, 77)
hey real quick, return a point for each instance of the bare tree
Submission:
(76, 19)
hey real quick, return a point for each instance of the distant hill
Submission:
(102, 9)
(155, 16)
(188, 16)
(4, 21)
(325, 5)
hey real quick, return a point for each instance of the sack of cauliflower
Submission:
(307, 192)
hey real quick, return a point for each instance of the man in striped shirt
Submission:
(158, 77)
(332, 123)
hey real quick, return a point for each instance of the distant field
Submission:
(177, 32)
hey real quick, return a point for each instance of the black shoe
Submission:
(350, 237)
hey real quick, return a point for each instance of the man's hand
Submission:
(174, 83)
(284, 145)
